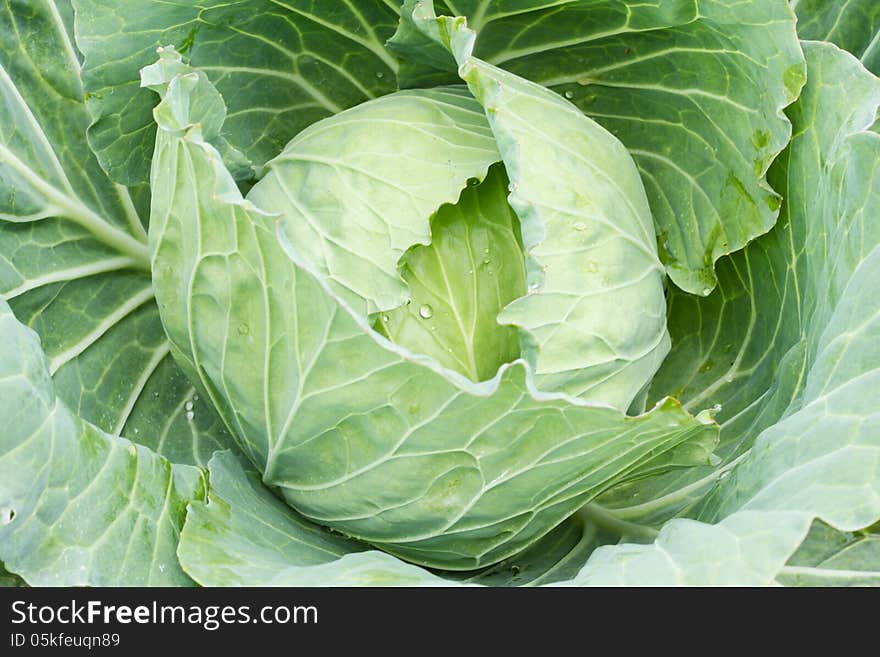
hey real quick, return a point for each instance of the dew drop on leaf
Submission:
(426, 312)
(243, 329)
(190, 415)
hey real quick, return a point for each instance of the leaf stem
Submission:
(605, 519)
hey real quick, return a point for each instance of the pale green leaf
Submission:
(79, 507)
(833, 558)
(354, 198)
(744, 549)
(244, 536)
(473, 267)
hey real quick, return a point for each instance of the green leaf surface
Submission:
(750, 347)
(244, 536)
(350, 205)
(694, 88)
(853, 25)
(73, 254)
(9, 580)
(79, 507)
(473, 267)
(809, 384)
(833, 558)
(280, 65)
(386, 445)
(744, 549)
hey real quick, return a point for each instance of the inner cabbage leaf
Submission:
(473, 267)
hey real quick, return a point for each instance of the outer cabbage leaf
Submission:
(245, 536)
(853, 25)
(357, 433)
(828, 557)
(745, 549)
(694, 88)
(280, 65)
(79, 507)
(750, 347)
(818, 452)
(73, 256)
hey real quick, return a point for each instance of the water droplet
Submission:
(243, 329)
(161, 567)
(473, 182)
(195, 398)
(132, 450)
(534, 287)
(426, 312)
(707, 291)
(386, 319)
(188, 405)
(6, 515)
(580, 226)
(380, 74)
(716, 408)
(156, 395)
(569, 94)
(190, 415)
